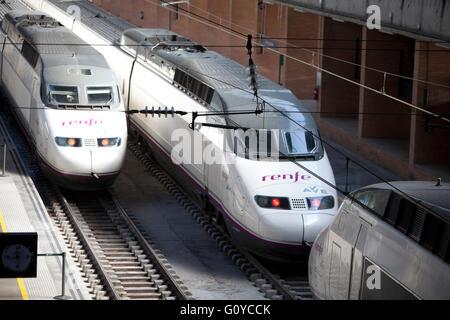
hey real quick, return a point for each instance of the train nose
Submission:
(298, 214)
(282, 227)
(314, 223)
(86, 169)
(106, 161)
(73, 162)
(86, 162)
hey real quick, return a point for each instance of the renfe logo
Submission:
(288, 176)
(78, 122)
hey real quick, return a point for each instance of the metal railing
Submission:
(63, 281)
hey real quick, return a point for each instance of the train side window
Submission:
(209, 95)
(376, 200)
(178, 76)
(196, 87)
(443, 246)
(29, 53)
(405, 215)
(393, 208)
(436, 236)
(185, 80)
(192, 84)
(429, 230)
(400, 212)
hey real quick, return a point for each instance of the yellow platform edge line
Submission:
(2, 223)
(23, 291)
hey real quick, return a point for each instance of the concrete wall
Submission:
(391, 54)
(431, 146)
(301, 79)
(338, 95)
(412, 18)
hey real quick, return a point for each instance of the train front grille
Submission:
(298, 203)
(90, 142)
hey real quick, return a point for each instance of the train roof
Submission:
(19, 15)
(55, 44)
(210, 67)
(228, 78)
(436, 197)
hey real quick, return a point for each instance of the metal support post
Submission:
(63, 285)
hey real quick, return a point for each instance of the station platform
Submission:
(22, 210)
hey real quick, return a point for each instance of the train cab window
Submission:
(30, 54)
(299, 142)
(100, 95)
(63, 94)
(376, 200)
(400, 212)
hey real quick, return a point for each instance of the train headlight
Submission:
(273, 202)
(68, 142)
(108, 142)
(320, 203)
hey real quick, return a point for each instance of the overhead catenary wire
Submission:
(431, 83)
(189, 13)
(292, 159)
(241, 35)
(289, 158)
(343, 113)
(308, 49)
(281, 112)
(165, 111)
(382, 92)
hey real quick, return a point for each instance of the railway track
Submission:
(115, 255)
(275, 286)
(115, 258)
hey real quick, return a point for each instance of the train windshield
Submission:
(299, 142)
(99, 95)
(273, 144)
(63, 94)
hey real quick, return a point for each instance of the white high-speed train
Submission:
(385, 245)
(66, 99)
(272, 208)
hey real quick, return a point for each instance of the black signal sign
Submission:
(18, 255)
